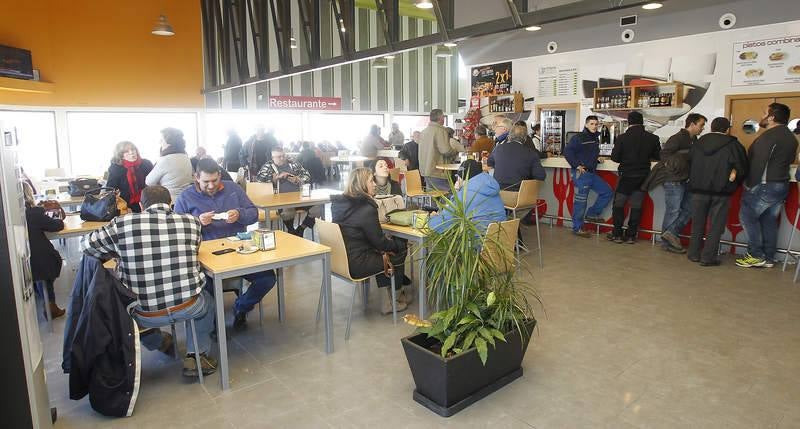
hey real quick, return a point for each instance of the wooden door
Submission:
(745, 115)
(794, 106)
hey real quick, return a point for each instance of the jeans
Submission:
(585, 182)
(714, 208)
(759, 212)
(202, 311)
(677, 204)
(260, 284)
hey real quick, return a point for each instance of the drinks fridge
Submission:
(553, 129)
(25, 403)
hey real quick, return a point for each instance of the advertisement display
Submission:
(492, 79)
(766, 62)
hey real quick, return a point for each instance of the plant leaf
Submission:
(486, 334)
(483, 350)
(448, 344)
(474, 309)
(451, 314)
(490, 299)
(468, 340)
(466, 319)
(499, 335)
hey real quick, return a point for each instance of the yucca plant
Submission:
(481, 298)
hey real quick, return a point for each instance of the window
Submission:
(345, 128)
(36, 132)
(93, 135)
(408, 123)
(286, 126)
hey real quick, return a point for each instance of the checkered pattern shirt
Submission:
(157, 252)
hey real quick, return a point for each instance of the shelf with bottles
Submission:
(506, 103)
(654, 96)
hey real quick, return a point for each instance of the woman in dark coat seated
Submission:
(45, 259)
(357, 215)
(127, 173)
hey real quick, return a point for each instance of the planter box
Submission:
(447, 386)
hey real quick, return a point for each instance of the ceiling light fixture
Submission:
(380, 63)
(389, 57)
(443, 52)
(292, 40)
(451, 44)
(652, 5)
(163, 28)
(533, 28)
(423, 4)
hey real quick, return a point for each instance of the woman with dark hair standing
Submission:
(174, 168)
(127, 173)
(45, 260)
(357, 215)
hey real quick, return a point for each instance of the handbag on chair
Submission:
(100, 205)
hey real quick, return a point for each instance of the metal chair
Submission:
(330, 235)
(188, 323)
(525, 199)
(414, 188)
(500, 244)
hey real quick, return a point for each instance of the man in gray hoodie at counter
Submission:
(766, 186)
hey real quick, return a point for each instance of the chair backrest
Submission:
(394, 174)
(500, 242)
(257, 188)
(526, 196)
(413, 182)
(331, 235)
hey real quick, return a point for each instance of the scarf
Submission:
(385, 189)
(135, 189)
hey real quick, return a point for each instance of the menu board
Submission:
(765, 62)
(492, 79)
(558, 80)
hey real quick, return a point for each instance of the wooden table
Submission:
(290, 250)
(455, 167)
(288, 200)
(74, 226)
(418, 237)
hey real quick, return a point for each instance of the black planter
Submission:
(447, 386)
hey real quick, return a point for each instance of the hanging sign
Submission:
(492, 79)
(280, 102)
(765, 62)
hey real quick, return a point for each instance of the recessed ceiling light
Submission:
(389, 57)
(451, 44)
(380, 63)
(533, 28)
(423, 4)
(652, 5)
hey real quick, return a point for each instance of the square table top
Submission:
(318, 196)
(404, 230)
(74, 225)
(287, 247)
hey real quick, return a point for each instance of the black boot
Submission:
(290, 227)
(618, 214)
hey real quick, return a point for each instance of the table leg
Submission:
(281, 296)
(423, 293)
(221, 336)
(326, 299)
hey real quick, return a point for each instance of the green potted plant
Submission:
(476, 343)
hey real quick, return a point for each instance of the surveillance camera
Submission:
(727, 21)
(552, 47)
(627, 36)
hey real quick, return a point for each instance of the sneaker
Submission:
(694, 258)
(208, 364)
(710, 263)
(768, 263)
(750, 262)
(240, 321)
(630, 240)
(615, 238)
(582, 234)
(594, 219)
(672, 240)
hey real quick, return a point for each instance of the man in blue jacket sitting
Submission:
(583, 154)
(482, 197)
(224, 210)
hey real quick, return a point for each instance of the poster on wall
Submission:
(561, 80)
(492, 79)
(766, 62)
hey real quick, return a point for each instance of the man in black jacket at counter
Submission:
(633, 150)
(718, 165)
(766, 187)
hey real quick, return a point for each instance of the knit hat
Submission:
(469, 169)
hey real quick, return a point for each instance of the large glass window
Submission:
(345, 128)
(410, 123)
(36, 132)
(287, 128)
(93, 135)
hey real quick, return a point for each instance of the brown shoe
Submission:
(386, 307)
(405, 295)
(208, 364)
(582, 234)
(55, 312)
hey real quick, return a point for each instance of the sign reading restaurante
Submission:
(304, 103)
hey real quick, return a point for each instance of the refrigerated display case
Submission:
(553, 130)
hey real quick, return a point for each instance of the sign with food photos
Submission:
(766, 62)
(492, 79)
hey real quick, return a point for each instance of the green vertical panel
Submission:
(346, 77)
(441, 84)
(238, 100)
(453, 101)
(365, 99)
(306, 79)
(383, 89)
(398, 83)
(326, 47)
(413, 65)
(427, 72)
(285, 86)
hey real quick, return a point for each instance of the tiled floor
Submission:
(630, 337)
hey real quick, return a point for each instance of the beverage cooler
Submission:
(25, 402)
(554, 130)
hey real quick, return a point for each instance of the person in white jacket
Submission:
(173, 169)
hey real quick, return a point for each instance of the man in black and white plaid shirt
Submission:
(157, 251)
